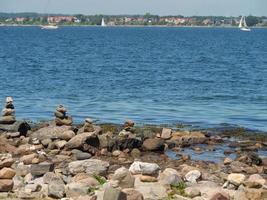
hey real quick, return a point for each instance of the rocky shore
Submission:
(112, 162)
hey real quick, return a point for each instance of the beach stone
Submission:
(236, 179)
(150, 190)
(114, 194)
(41, 168)
(193, 176)
(82, 156)
(23, 170)
(60, 144)
(155, 144)
(76, 189)
(7, 173)
(6, 162)
(146, 178)
(79, 140)
(116, 153)
(50, 177)
(90, 166)
(136, 153)
(227, 161)
(144, 168)
(52, 132)
(133, 194)
(56, 190)
(86, 179)
(166, 133)
(255, 194)
(124, 178)
(255, 181)
(170, 177)
(188, 138)
(46, 142)
(6, 185)
(220, 196)
(192, 192)
(27, 159)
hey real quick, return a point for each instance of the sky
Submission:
(160, 7)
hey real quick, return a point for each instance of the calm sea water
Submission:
(200, 76)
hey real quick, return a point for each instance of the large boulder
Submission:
(53, 132)
(89, 166)
(78, 141)
(144, 168)
(154, 144)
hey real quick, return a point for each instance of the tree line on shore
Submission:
(146, 19)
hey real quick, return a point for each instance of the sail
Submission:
(241, 22)
(103, 22)
(245, 23)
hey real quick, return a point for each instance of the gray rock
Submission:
(82, 156)
(50, 177)
(166, 133)
(56, 190)
(170, 177)
(192, 192)
(111, 193)
(124, 177)
(76, 189)
(90, 166)
(51, 132)
(41, 168)
(79, 140)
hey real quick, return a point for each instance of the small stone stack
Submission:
(128, 130)
(61, 116)
(6, 174)
(8, 113)
(88, 125)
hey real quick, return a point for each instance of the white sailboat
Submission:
(243, 25)
(103, 22)
(49, 25)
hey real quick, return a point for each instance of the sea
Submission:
(203, 77)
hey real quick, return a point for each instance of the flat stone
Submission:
(41, 168)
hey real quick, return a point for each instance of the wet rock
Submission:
(193, 176)
(7, 173)
(188, 138)
(124, 178)
(236, 179)
(90, 166)
(133, 194)
(144, 168)
(170, 177)
(114, 194)
(6, 185)
(166, 133)
(250, 158)
(41, 168)
(192, 192)
(155, 144)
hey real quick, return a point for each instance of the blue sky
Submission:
(161, 7)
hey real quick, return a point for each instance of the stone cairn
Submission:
(8, 113)
(61, 117)
(88, 125)
(128, 130)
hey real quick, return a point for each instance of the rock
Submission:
(27, 159)
(192, 192)
(124, 177)
(255, 181)
(7, 173)
(133, 194)
(118, 143)
(23, 170)
(220, 196)
(79, 140)
(136, 153)
(192, 176)
(46, 142)
(255, 194)
(6, 185)
(227, 161)
(155, 144)
(153, 190)
(116, 153)
(41, 168)
(146, 178)
(82, 156)
(144, 168)
(53, 132)
(170, 177)
(90, 166)
(60, 144)
(111, 193)
(236, 179)
(166, 133)
(56, 190)
(19, 126)
(86, 180)
(188, 138)
(50, 177)
(6, 162)
(76, 189)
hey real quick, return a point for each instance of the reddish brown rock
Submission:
(6, 185)
(7, 173)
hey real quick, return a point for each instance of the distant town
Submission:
(127, 20)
